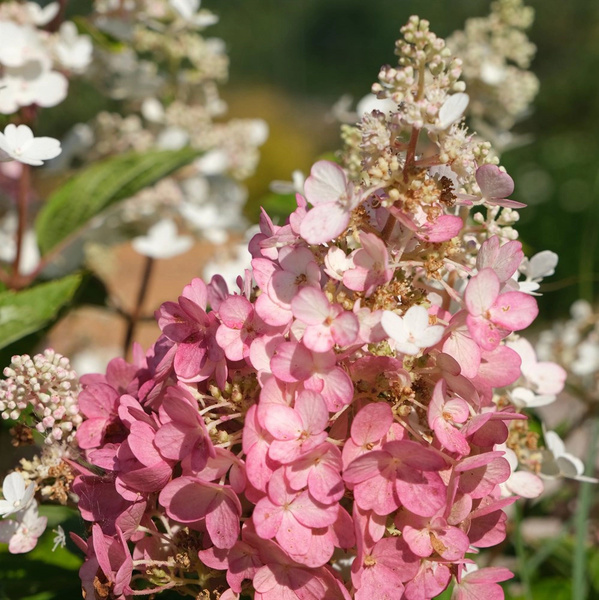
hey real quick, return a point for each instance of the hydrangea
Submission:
(349, 397)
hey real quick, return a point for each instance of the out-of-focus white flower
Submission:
(74, 51)
(559, 463)
(370, 102)
(521, 483)
(543, 379)
(19, 143)
(20, 44)
(295, 186)
(587, 359)
(152, 110)
(17, 496)
(541, 265)
(214, 162)
(188, 10)
(581, 310)
(229, 267)
(492, 73)
(257, 132)
(22, 532)
(172, 138)
(162, 241)
(41, 16)
(30, 254)
(32, 83)
(205, 218)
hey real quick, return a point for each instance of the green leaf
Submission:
(279, 206)
(40, 574)
(100, 38)
(27, 311)
(100, 185)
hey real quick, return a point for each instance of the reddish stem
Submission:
(135, 313)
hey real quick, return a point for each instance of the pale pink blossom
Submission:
(370, 266)
(491, 315)
(23, 530)
(495, 186)
(482, 583)
(332, 197)
(326, 324)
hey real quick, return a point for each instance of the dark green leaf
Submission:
(24, 312)
(97, 187)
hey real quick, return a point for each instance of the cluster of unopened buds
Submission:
(48, 386)
(335, 428)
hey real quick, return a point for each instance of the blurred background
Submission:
(292, 60)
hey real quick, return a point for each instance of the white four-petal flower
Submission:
(412, 332)
(162, 241)
(16, 495)
(18, 143)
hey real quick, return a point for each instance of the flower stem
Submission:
(141, 295)
(585, 499)
(22, 200)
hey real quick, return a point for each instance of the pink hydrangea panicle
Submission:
(345, 409)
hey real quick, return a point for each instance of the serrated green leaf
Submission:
(102, 184)
(27, 311)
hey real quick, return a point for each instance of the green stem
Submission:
(585, 500)
(521, 554)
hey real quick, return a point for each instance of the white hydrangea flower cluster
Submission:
(496, 55)
(167, 78)
(47, 383)
(575, 345)
(36, 63)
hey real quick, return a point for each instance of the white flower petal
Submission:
(453, 108)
